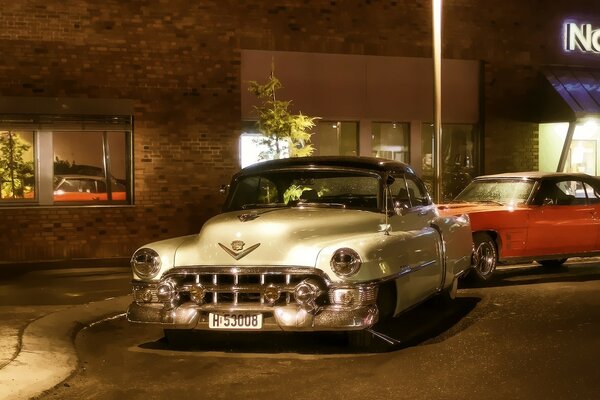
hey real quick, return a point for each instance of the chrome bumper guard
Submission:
(285, 318)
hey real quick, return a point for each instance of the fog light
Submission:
(271, 294)
(197, 294)
(344, 297)
(165, 292)
(147, 295)
(306, 294)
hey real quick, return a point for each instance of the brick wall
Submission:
(180, 63)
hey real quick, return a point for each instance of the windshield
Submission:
(318, 188)
(504, 191)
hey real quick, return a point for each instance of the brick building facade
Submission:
(179, 62)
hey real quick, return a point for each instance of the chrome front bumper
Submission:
(285, 318)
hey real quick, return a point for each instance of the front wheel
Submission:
(486, 256)
(373, 340)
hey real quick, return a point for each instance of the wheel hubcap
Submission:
(486, 258)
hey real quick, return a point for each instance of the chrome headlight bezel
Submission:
(345, 262)
(146, 263)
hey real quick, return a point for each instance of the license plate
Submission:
(234, 321)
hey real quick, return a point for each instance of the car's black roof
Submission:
(372, 163)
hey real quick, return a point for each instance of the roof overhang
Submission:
(578, 89)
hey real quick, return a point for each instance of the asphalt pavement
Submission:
(42, 308)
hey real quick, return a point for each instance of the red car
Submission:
(86, 188)
(530, 216)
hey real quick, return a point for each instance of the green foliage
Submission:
(293, 193)
(277, 124)
(16, 174)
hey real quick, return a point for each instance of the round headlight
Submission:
(145, 263)
(345, 262)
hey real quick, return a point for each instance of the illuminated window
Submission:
(90, 166)
(335, 138)
(391, 140)
(254, 147)
(57, 159)
(17, 166)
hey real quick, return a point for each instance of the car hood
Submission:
(284, 236)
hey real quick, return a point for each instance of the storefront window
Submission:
(459, 157)
(17, 168)
(582, 155)
(391, 140)
(335, 138)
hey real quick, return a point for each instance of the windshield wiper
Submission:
(490, 201)
(263, 205)
(477, 201)
(312, 204)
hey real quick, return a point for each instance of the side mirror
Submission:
(224, 189)
(400, 208)
(547, 201)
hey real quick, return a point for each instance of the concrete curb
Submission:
(48, 356)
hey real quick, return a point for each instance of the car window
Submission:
(399, 192)
(254, 190)
(69, 185)
(87, 186)
(316, 188)
(416, 192)
(592, 195)
(562, 193)
(497, 191)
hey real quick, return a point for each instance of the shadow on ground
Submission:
(430, 322)
(529, 274)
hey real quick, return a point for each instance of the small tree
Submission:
(277, 124)
(16, 174)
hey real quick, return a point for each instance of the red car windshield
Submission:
(498, 191)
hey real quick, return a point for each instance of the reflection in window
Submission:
(458, 155)
(17, 169)
(90, 166)
(336, 138)
(391, 141)
(582, 157)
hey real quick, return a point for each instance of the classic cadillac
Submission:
(305, 244)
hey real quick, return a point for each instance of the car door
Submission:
(414, 213)
(592, 189)
(564, 222)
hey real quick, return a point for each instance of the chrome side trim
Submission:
(405, 270)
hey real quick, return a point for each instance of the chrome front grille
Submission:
(241, 286)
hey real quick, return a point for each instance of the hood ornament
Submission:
(247, 217)
(237, 249)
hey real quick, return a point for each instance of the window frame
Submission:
(44, 173)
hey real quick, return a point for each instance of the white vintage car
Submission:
(305, 244)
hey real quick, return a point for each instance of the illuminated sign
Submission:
(582, 37)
